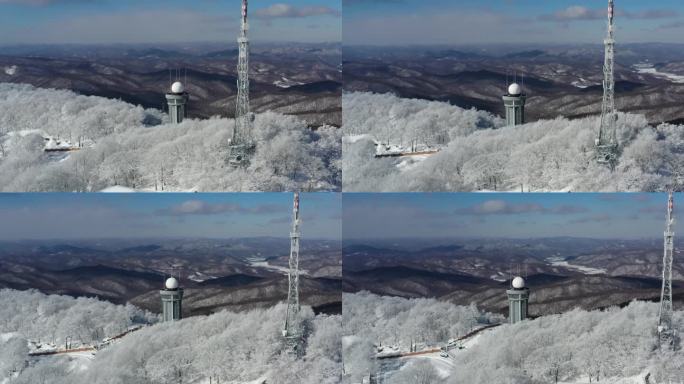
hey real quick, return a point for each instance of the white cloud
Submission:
(42, 2)
(281, 10)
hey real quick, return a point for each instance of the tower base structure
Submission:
(668, 339)
(293, 342)
(515, 109)
(240, 154)
(171, 304)
(176, 104)
(517, 304)
(607, 154)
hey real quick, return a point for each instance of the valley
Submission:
(298, 79)
(560, 80)
(562, 273)
(216, 274)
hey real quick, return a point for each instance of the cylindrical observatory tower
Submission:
(172, 297)
(514, 102)
(518, 297)
(177, 99)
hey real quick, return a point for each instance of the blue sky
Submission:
(409, 22)
(438, 215)
(140, 215)
(144, 21)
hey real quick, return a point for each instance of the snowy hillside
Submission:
(51, 319)
(374, 324)
(572, 347)
(118, 144)
(478, 154)
(226, 347)
(617, 345)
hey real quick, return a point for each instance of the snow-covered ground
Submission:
(118, 189)
(639, 379)
(276, 268)
(560, 262)
(583, 83)
(649, 69)
(73, 361)
(237, 348)
(200, 277)
(284, 82)
(260, 380)
(410, 162)
(11, 70)
(484, 155)
(498, 277)
(120, 144)
(444, 366)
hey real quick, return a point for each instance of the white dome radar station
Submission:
(177, 87)
(518, 283)
(172, 300)
(177, 98)
(518, 297)
(514, 102)
(514, 89)
(171, 283)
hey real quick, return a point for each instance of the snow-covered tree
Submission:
(126, 145)
(547, 155)
(226, 347)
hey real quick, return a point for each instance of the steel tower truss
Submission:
(292, 331)
(606, 143)
(242, 143)
(666, 330)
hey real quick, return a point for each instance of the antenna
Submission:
(522, 85)
(606, 143)
(242, 142)
(667, 333)
(292, 332)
